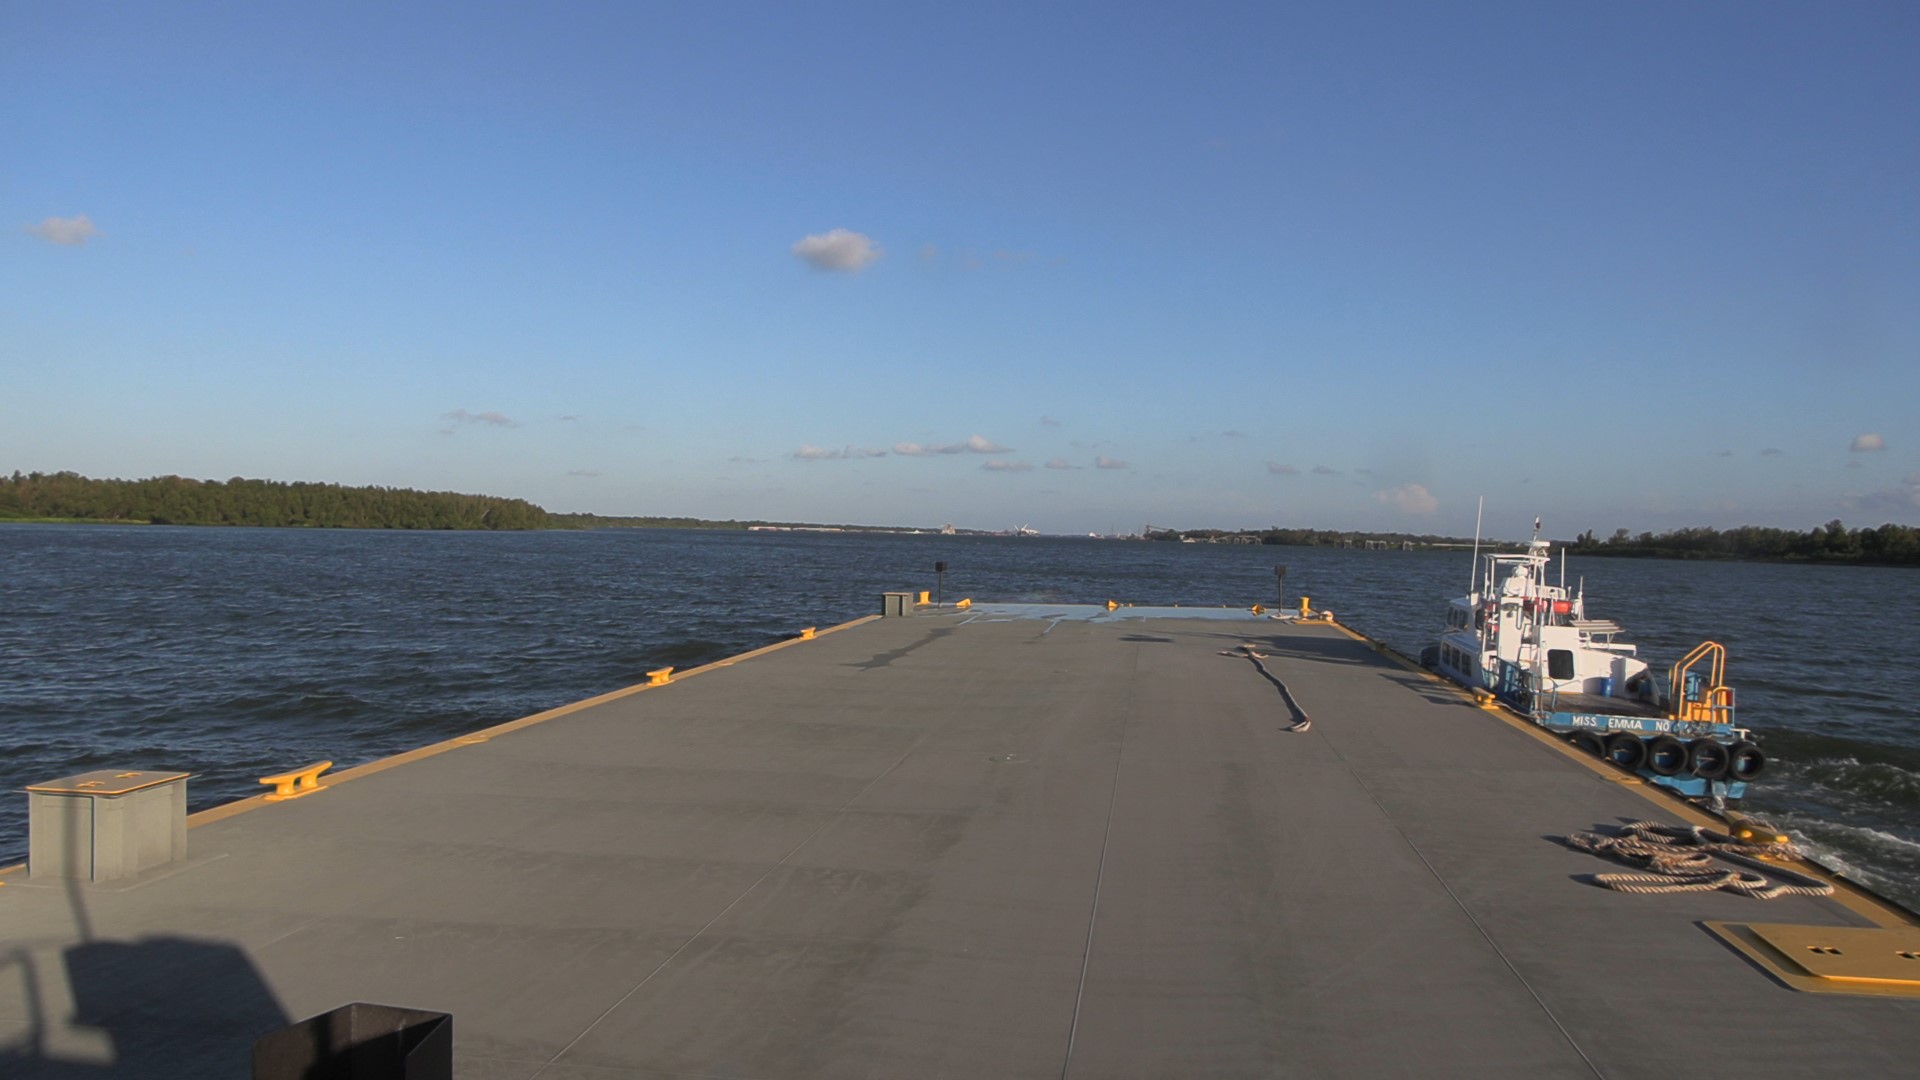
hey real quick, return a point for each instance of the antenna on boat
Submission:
(1473, 575)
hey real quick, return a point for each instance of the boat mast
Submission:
(1473, 572)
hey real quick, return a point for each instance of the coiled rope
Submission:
(1680, 859)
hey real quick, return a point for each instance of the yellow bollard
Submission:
(806, 633)
(1306, 609)
(926, 598)
(964, 604)
(1111, 605)
(660, 677)
(1257, 610)
(297, 782)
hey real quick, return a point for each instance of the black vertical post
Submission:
(1280, 584)
(939, 583)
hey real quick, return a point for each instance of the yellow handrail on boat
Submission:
(1714, 702)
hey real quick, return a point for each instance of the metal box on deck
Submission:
(106, 825)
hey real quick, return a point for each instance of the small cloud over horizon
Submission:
(1903, 496)
(845, 453)
(73, 231)
(1048, 421)
(1410, 498)
(487, 419)
(1281, 468)
(1105, 462)
(840, 251)
(972, 444)
(1772, 451)
(1322, 470)
(997, 465)
(1061, 463)
(1868, 443)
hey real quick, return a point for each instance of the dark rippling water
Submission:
(237, 652)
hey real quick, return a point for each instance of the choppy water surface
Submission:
(237, 652)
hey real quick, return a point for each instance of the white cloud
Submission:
(1006, 466)
(840, 250)
(1410, 498)
(490, 419)
(1281, 468)
(1903, 496)
(1322, 470)
(972, 444)
(1061, 463)
(1105, 462)
(815, 453)
(1868, 443)
(65, 231)
(975, 444)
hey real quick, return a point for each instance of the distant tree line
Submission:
(1888, 545)
(1313, 537)
(174, 500)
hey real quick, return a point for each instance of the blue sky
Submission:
(1343, 266)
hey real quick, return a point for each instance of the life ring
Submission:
(1745, 761)
(1707, 759)
(1626, 750)
(1666, 755)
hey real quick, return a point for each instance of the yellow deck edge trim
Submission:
(475, 738)
(1847, 894)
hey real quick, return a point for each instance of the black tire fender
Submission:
(1707, 759)
(1666, 755)
(1590, 742)
(1745, 761)
(1626, 750)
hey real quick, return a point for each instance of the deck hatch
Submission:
(1848, 953)
(1881, 961)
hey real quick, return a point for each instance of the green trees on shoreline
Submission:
(1887, 545)
(173, 500)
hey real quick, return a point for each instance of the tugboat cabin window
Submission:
(1560, 663)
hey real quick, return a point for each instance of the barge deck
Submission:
(1059, 842)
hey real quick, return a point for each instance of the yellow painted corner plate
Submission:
(1881, 961)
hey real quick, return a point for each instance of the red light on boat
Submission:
(1563, 607)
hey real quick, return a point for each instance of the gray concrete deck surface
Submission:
(947, 846)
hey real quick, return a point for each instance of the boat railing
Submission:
(1702, 695)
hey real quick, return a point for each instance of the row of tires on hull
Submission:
(1664, 755)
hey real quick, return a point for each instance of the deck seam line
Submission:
(1464, 910)
(748, 891)
(1093, 915)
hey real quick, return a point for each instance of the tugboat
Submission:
(1531, 646)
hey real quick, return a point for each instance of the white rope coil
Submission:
(1680, 858)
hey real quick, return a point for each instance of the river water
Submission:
(234, 653)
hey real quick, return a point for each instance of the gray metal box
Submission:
(106, 825)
